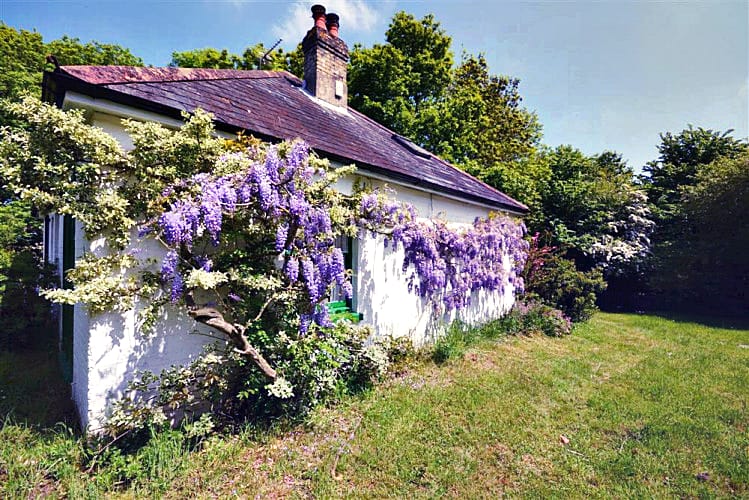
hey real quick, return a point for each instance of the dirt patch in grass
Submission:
(45, 488)
(281, 467)
(500, 454)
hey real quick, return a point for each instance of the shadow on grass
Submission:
(733, 322)
(32, 389)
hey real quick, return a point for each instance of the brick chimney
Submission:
(325, 59)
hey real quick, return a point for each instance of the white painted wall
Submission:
(381, 286)
(109, 349)
(382, 296)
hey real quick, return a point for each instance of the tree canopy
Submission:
(680, 158)
(464, 113)
(251, 58)
(23, 58)
(395, 81)
(698, 192)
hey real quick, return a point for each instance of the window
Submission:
(339, 306)
(59, 250)
(68, 262)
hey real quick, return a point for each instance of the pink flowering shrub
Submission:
(528, 317)
(554, 280)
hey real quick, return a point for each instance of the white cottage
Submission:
(102, 352)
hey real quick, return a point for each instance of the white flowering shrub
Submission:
(625, 246)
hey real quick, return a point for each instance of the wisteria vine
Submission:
(281, 194)
(447, 265)
(249, 232)
(287, 196)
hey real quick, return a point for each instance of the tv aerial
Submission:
(265, 57)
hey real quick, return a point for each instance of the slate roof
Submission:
(273, 105)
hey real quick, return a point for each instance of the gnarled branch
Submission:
(212, 317)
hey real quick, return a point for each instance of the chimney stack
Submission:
(331, 22)
(325, 59)
(318, 14)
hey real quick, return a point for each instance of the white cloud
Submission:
(355, 15)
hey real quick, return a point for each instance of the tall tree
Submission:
(698, 194)
(395, 81)
(479, 120)
(482, 127)
(712, 263)
(465, 114)
(680, 156)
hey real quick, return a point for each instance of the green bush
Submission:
(325, 364)
(402, 353)
(558, 283)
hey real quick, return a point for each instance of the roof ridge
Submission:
(189, 80)
(179, 74)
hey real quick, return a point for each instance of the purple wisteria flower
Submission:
(451, 264)
(169, 265)
(177, 287)
(204, 263)
(310, 280)
(281, 235)
(322, 317)
(271, 193)
(304, 322)
(292, 270)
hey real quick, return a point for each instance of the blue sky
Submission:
(600, 75)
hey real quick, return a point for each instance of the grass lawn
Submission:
(627, 405)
